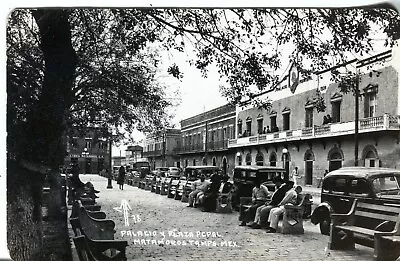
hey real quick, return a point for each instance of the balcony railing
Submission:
(152, 153)
(211, 146)
(384, 122)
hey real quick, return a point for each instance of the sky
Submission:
(196, 94)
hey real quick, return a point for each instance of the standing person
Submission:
(289, 199)
(121, 177)
(260, 194)
(295, 176)
(197, 187)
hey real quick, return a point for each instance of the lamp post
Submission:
(356, 118)
(109, 184)
(285, 166)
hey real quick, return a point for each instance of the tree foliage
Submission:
(113, 75)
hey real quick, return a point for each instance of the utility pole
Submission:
(356, 117)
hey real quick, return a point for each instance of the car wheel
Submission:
(324, 226)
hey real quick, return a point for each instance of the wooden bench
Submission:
(368, 224)
(92, 210)
(100, 250)
(294, 214)
(224, 203)
(92, 227)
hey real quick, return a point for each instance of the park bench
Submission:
(292, 222)
(92, 227)
(92, 210)
(100, 250)
(224, 203)
(368, 224)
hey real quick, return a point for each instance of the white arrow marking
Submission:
(125, 209)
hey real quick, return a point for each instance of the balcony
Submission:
(191, 148)
(217, 145)
(153, 153)
(211, 146)
(379, 123)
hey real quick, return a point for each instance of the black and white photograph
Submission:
(202, 133)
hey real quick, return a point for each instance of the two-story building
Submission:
(160, 149)
(133, 153)
(204, 138)
(296, 135)
(91, 151)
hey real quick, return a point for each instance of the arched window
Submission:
(309, 165)
(259, 159)
(214, 161)
(204, 162)
(335, 158)
(194, 162)
(370, 156)
(248, 159)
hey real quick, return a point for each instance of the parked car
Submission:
(244, 177)
(342, 186)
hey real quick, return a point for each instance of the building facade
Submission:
(160, 150)
(298, 136)
(91, 152)
(133, 153)
(204, 139)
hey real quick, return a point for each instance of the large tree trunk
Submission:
(45, 124)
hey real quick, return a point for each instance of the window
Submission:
(259, 159)
(286, 121)
(359, 187)
(335, 185)
(272, 160)
(370, 105)
(385, 186)
(309, 116)
(260, 123)
(336, 111)
(88, 144)
(248, 159)
(239, 127)
(273, 122)
(248, 126)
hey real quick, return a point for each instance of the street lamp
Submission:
(285, 165)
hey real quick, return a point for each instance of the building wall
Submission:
(94, 158)
(387, 100)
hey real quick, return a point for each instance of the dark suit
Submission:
(275, 200)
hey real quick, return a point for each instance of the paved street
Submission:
(165, 229)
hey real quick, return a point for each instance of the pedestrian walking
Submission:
(121, 177)
(295, 176)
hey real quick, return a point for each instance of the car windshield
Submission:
(386, 185)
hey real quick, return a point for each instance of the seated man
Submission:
(209, 199)
(290, 198)
(79, 186)
(262, 212)
(259, 195)
(226, 186)
(197, 187)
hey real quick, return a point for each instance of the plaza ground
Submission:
(165, 229)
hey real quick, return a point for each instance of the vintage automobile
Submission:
(172, 186)
(340, 188)
(245, 175)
